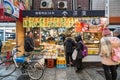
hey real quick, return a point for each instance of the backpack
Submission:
(85, 50)
(116, 54)
(115, 42)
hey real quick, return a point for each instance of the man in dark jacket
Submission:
(69, 44)
(29, 43)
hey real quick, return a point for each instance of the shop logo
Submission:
(64, 13)
(83, 13)
(75, 13)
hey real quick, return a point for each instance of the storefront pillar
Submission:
(20, 36)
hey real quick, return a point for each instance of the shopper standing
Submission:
(69, 45)
(29, 42)
(116, 33)
(0, 45)
(79, 48)
(105, 52)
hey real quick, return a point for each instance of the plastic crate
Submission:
(50, 63)
(60, 66)
(61, 61)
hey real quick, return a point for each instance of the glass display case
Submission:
(92, 41)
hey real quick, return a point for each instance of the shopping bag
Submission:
(74, 55)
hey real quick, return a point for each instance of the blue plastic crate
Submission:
(59, 66)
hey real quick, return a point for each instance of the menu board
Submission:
(48, 22)
(80, 24)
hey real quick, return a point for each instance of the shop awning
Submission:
(7, 24)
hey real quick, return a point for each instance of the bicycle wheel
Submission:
(7, 68)
(35, 70)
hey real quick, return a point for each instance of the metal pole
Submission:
(76, 5)
(73, 4)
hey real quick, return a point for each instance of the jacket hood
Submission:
(78, 38)
(68, 39)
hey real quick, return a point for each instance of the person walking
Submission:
(105, 52)
(79, 48)
(69, 45)
(29, 42)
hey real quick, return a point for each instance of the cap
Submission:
(106, 31)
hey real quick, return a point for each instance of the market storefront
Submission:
(51, 27)
(7, 31)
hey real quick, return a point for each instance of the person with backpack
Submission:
(29, 42)
(105, 52)
(69, 45)
(116, 33)
(0, 45)
(79, 57)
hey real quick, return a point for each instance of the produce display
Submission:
(50, 51)
(8, 45)
(53, 30)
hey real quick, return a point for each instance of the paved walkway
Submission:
(88, 73)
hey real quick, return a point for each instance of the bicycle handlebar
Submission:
(17, 46)
(18, 50)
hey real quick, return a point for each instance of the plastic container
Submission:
(20, 59)
(61, 66)
(50, 63)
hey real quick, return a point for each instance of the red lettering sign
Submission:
(3, 17)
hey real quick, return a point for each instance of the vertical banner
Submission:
(107, 14)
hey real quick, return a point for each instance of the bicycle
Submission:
(32, 66)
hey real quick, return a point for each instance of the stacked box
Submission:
(61, 62)
(50, 63)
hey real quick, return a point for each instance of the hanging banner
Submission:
(1, 12)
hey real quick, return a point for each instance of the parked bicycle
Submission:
(32, 66)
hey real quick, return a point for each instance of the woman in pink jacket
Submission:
(105, 51)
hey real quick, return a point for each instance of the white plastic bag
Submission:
(74, 55)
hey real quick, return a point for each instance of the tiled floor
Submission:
(88, 73)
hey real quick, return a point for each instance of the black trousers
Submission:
(110, 72)
(69, 58)
(78, 64)
(0, 48)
